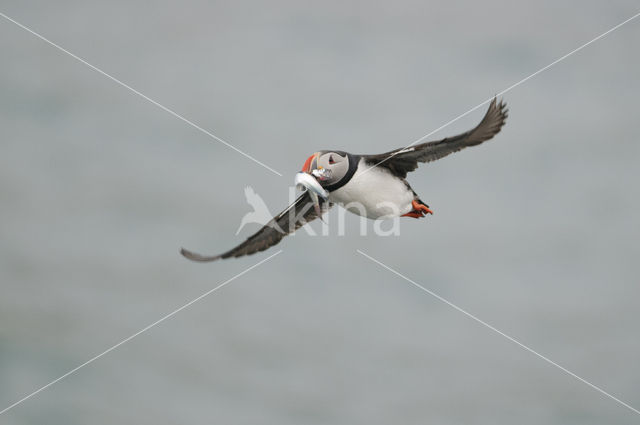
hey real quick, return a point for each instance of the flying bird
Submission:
(373, 186)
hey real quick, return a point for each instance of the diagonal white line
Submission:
(147, 98)
(560, 59)
(146, 328)
(515, 341)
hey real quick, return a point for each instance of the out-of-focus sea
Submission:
(535, 232)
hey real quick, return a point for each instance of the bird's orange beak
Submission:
(311, 163)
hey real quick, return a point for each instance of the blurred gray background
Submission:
(535, 232)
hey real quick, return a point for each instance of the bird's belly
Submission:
(376, 194)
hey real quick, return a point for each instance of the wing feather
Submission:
(401, 161)
(288, 221)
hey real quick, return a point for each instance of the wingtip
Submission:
(197, 257)
(500, 107)
(501, 104)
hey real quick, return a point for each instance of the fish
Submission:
(307, 181)
(322, 174)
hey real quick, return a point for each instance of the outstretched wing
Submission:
(401, 161)
(288, 221)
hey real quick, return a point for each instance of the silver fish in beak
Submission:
(307, 181)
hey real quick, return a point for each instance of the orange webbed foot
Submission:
(421, 207)
(419, 210)
(413, 214)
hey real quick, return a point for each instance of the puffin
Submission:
(372, 186)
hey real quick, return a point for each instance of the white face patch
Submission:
(338, 165)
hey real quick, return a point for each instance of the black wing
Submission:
(401, 161)
(288, 221)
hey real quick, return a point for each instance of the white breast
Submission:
(374, 194)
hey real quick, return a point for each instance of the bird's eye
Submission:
(331, 161)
